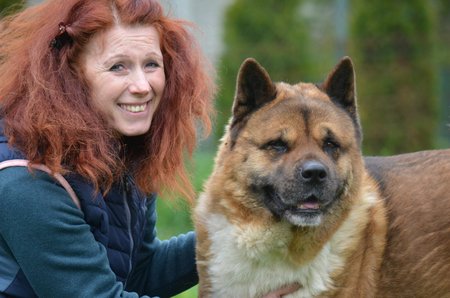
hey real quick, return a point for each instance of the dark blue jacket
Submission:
(110, 249)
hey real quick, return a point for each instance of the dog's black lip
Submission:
(305, 211)
(274, 201)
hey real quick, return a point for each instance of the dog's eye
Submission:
(331, 146)
(279, 146)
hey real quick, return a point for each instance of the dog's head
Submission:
(293, 150)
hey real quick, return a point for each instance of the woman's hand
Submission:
(288, 289)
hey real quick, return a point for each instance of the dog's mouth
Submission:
(309, 205)
(306, 210)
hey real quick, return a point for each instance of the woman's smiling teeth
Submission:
(133, 108)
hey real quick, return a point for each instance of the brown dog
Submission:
(290, 201)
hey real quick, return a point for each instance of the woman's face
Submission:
(125, 72)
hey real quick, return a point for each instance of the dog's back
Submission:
(416, 187)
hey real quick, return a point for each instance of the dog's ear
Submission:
(254, 88)
(340, 87)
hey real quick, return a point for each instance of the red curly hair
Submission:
(46, 107)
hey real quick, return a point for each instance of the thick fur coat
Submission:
(290, 200)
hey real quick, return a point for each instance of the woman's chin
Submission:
(133, 131)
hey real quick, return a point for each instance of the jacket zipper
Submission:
(126, 192)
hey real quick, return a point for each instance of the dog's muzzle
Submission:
(303, 197)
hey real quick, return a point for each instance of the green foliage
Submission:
(174, 217)
(442, 10)
(393, 49)
(273, 33)
(191, 293)
(443, 16)
(9, 6)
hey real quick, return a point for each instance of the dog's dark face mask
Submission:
(301, 142)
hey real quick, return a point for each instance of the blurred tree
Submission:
(273, 33)
(443, 17)
(393, 49)
(443, 14)
(8, 6)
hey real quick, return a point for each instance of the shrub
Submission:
(273, 33)
(392, 44)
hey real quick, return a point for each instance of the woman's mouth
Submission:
(134, 108)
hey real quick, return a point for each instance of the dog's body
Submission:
(416, 188)
(290, 201)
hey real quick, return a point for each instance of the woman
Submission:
(107, 93)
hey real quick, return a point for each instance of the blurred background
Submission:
(401, 52)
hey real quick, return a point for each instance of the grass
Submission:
(174, 217)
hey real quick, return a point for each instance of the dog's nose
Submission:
(313, 171)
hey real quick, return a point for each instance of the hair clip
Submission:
(62, 38)
(62, 28)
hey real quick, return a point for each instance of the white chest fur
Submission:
(250, 262)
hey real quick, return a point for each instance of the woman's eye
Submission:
(152, 64)
(117, 67)
(278, 146)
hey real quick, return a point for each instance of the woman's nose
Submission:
(139, 83)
